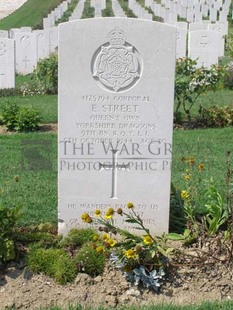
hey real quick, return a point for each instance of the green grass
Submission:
(220, 98)
(68, 13)
(30, 14)
(37, 189)
(46, 105)
(32, 157)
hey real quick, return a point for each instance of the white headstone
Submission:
(181, 41)
(203, 46)
(221, 29)
(26, 52)
(53, 39)
(42, 43)
(116, 89)
(7, 63)
(4, 34)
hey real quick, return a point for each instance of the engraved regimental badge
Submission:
(116, 65)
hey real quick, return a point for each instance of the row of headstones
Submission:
(98, 5)
(21, 49)
(55, 15)
(30, 46)
(206, 42)
(191, 10)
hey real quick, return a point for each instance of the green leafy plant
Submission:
(27, 119)
(9, 217)
(46, 74)
(77, 237)
(217, 213)
(228, 78)
(204, 216)
(216, 116)
(229, 44)
(55, 263)
(9, 92)
(191, 82)
(20, 118)
(90, 261)
(132, 252)
(10, 115)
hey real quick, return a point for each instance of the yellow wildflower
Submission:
(148, 240)
(89, 220)
(187, 177)
(99, 249)
(130, 205)
(112, 242)
(130, 253)
(200, 166)
(85, 216)
(191, 161)
(110, 211)
(105, 237)
(95, 238)
(97, 212)
(108, 215)
(183, 159)
(184, 195)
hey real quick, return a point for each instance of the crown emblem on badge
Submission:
(117, 37)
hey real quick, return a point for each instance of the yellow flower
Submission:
(95, 238)
(148, 240)
(191, 161)
(112, 242)
(85, 216)
(99, 249)
(105, 237)
(187, 177)
(130, 253)
(97, 212)
(130, 205)
(183, 159)
(107, 216)
(89, 220)
(184, 195)
(110, 211)
(200, 166)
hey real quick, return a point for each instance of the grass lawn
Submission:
(33, 157)
(46, 105)
(29, 14)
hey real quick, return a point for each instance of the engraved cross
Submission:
(25, 60)
(114, 167)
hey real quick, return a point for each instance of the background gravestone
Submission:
(116, 90)
(7, 63)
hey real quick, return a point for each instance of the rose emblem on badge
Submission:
(116, 65)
